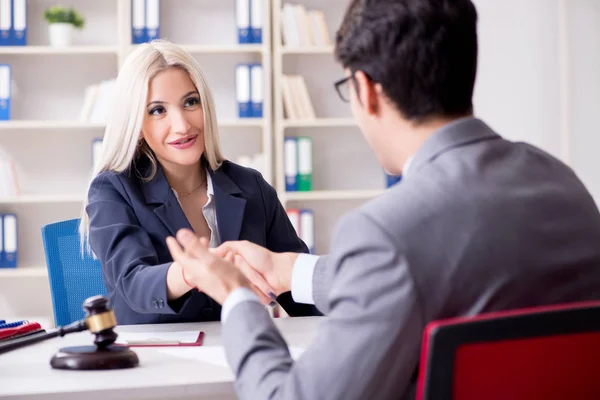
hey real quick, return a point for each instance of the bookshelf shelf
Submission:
(24, 272)
(17, 125)
(318, 123)
(242, 123)
(48, 50)
(41, 199)
(225, 49)
(318, 195)
(30, 124)
(307, 50)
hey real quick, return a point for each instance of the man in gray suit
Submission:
(477, 224)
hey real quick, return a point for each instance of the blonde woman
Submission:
(162, 170)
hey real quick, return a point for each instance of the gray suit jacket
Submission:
(479, 224)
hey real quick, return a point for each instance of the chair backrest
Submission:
(545, 353)
(73, 277)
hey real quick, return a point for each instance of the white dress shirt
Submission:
(210, 212)
(302, 274)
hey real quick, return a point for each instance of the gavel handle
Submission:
(16, 343)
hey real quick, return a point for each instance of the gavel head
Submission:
(100, 320)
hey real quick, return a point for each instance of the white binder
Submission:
(256, 90)
(242, 82)
(152, 20)
(5, 22)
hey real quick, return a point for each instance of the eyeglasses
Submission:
(343, 88)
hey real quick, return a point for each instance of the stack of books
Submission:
(302, 28)
(296, 100)
(97, 101)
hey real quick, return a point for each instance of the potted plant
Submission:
(62, 20)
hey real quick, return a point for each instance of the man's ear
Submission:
(367, 93)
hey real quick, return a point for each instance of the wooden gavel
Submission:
(99, 320)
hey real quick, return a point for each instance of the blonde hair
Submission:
(120, 145)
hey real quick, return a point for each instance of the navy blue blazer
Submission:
(130, 220)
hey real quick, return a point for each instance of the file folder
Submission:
(2, 253)
(242, 10)
(19, 23)
(158, 339)
(10, 240)
(256, 90)
(243, 90)
(290, 155)
(304, 164)
(138, 21)
(307, 229)
(256, 17)
(152, 20)
(294, 217)
(5, 76)
(6, 22)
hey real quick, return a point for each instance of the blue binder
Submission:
(242, 10)
(5, 92)
(10, 234)
(152, 20)
(256, 90)
(19, 23)
(138, 21)
(6, 18)
(256, 24)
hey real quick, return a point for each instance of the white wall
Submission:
(584, 68)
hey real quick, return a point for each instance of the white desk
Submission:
(26, 373)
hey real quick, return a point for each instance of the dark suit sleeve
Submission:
(126, 253)
(282, 237)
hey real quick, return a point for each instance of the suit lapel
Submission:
(229, 206)
(158, 191)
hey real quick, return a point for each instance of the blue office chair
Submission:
(73, 277)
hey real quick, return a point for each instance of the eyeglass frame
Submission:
(338, 84)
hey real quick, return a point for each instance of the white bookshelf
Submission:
(11, 126)
(322, 195)
(39, 271)
(42, 199)
(319, 123)
(307, 50)
(51, 148)
(226, 49)
(43, 50)
(343, 176)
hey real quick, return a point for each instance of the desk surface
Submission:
(26, 373)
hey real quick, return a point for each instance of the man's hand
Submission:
(276, 268)
(213, 275)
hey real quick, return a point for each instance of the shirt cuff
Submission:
(236, 297)
(302, 278)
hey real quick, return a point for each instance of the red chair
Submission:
(547, 353)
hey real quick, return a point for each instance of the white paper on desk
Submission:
(181, 337)
(213, 354)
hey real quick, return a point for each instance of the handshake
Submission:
(236, 264)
